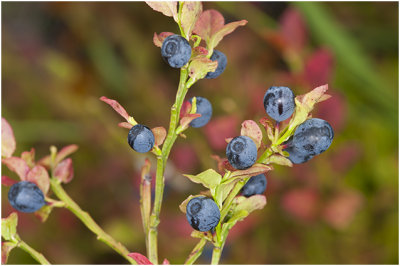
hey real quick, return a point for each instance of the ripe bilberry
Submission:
(241, 152)
(202, 213)
(203, 107)
(279, 103)
(220, 57)
(26, 196)
(141, 138)
(176, 51)
(256, 185)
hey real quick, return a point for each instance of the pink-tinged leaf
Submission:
(8, 143)
(43, 213)
(64, 171)
(185, 121)
(199, 51)
(191, 11)
(165, 262)
(227, 29)
(29, 157)
(17, 165)
(40, 177)
(158, 39)
(6, 247)
(293, 29)
(125, 125)
(200, 66)
(116, 106)
(186, 107)
(253, 131)
(318, 68)
(140, 259)
(159, 134)
(168, 8)
(6, 181)
(279, 159)
(227, 140)
(209, 22)
(269, 127)
(256, 169)
(65, 152)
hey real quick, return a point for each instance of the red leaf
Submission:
(17, 165)
(6, 181)
(140, 259)
(40, 177)
(8, 143)
(159, 134)
(116, 106)
(64, 171)
(65, 152)
(293, 29)
(318, 68)
(125, 125)
(185, 121)
(158, 39)
(186, 106)
(209, 22)
(253, 131)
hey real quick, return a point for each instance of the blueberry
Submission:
(256, 185)
(141, 138)
(220, 57)
(205, 109)
(176, 51)
(26, 196)
(202, 214)
(297, 157)
(241, 152)
(279, 103)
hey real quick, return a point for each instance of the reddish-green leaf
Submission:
(43, 213)
(125, 125)
(279, 159)
(187, 119)
(6, 247)
(158, 39)
(9, 226)
(253, 131)
(227, 29)
(256, 169)
(200, 66)
(116, 106)
(29, 157)
(191, 11)
(209, 22)
(17, 165)
(168, 8)
(182, 206)
(140, 259)
(8, 143)
(64, 171)
(40, 177)
(159, 134)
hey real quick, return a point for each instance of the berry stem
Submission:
(36, 255)
(196, 252)
(88, 220)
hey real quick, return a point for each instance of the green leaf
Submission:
(249, 204)
(279, 159)
(44, 212)
(222, 191)
(6, 247)
(8, 143)
(209, 178)
(198, 234)
(182, 206)
(190, 13)
(253, 131)
(256, 169)
(9, 227)
(168, 8)
(200, 66)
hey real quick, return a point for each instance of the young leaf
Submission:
(140, 259)
(8, 143)
(209, 178)
(44, 212)
(17, 165)
(253, 131)
(269, 127)
(159, 134)
(200, 66)
(6, 181)
(9, 227)
(40, 177)
(182, 206)
(279, 159)
(125, 125)
(209, 22)
(6, 248)
(185, 121)
(64, 152)
(227, 29)
(168, 8)
(190, 13)
(222, 191)
(199, 52)
(64, 171)
(158, 39)
(256, 169)
(116, 106)
(29, 157)
(249, 204)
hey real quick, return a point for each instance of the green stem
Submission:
(88, 220)
(196, 252)
(36, 255)
(184, 85)
(217, 251)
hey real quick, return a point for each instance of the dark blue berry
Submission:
(176, 51)
(141, 138)
(202, 213)
(256, 185)
(26, 196)
(297, 157)
(241, 152)
(205, 109)
(220, 57)
(279, 103)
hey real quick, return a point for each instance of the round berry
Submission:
(313, 137)
(26, 196)
(256, 185)
(176, 51)
(203, 107)
(202, 214)
(279, 103)
(220, 57)
(141, 138)
(297, 157)
(241, 152)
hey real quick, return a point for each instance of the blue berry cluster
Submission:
(26, 196)
(202, 214)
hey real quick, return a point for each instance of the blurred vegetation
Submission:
(341, 207)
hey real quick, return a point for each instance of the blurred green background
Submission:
(341, 207)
